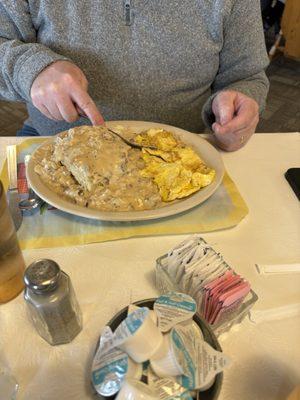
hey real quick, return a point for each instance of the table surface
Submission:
(107, 276)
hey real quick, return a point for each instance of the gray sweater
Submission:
(159, 61)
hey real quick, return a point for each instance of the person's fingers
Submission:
(53, 109)
(60, 87)
(44, 110)
(46, 104)
(235, 140)
(67, 109)
(38, 103)
(244, 118)
(80, 112)
(86, 104)
(238, 123)
(234, 133)
(246, 112)
(223, 107)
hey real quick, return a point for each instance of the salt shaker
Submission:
(51, 301)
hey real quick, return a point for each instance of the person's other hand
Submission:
(60, 93)
(236, 119)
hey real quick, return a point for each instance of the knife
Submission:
(12, 193)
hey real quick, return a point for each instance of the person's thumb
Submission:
(223, 107)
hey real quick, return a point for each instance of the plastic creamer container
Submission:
(173, 308)
(200, 362)
(136, 390)
(138, 335)
(111, 366)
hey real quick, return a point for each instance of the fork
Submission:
(128, 142)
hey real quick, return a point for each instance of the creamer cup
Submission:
(111, 366)
(138, 335)
(136, 390)
(200, 362)
(164, 362)
(168, 388)
(133, 307)
(173, 308)
(191, 324)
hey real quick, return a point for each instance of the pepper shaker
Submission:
(51, 301)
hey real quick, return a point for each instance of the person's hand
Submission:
(60, 93)
(236, 119)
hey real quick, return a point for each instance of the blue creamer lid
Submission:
(199, 361)
(184, 353)
(173, 308)
(131, 324)
(110, 366)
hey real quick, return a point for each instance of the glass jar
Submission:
(11, 259)
(51, 301)
(8, 385)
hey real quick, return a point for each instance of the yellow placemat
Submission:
(53, 228)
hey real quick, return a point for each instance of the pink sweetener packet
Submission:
(234, 295)
(214, 312)
(210, 286)
(220, 280)
(223, 312)
(215, 299)
(233, 302)
(224, 286)
(197, 283)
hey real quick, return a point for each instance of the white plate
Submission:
(206, 151)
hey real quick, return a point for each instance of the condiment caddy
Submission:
(193, 267)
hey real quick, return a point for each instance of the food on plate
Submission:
(94, 168)
(176, 168)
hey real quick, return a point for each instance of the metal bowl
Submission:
(213, 392)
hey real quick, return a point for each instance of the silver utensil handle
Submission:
(26, 161)
(11, 152)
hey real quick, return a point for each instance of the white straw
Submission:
(277, 268)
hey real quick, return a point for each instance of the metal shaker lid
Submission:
(42, 275)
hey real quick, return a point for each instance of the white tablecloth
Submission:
(107, 276)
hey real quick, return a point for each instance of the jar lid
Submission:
(42, 275)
